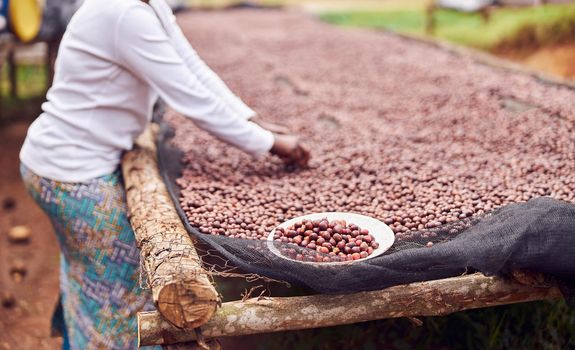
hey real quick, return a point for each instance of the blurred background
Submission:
(536, 34)
(539, 34)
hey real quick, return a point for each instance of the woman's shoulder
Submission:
(98, 21)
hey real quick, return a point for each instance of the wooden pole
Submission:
(6, 45)
(181, 289)
(12, 72)
(432, 298)
(3, 51)
(430, 22)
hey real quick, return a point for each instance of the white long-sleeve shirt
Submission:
(116, 57)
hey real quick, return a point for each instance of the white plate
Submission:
(380, 231)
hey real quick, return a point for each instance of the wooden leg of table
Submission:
(12, 73)
(1, 90)
(486, 14)
(430, 19)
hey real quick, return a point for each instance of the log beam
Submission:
(431, 298)
(181, 290)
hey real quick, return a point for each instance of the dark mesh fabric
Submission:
(538, 235)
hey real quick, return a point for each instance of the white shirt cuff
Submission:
(261, 142)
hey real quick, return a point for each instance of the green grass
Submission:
(544, 23)
(407, 21)
(31, 91)
(31, 81)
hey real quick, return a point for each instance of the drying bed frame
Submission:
(189, 310)
(188, 306)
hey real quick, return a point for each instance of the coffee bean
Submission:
(345, 244)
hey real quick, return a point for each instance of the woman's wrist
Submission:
(289, 148)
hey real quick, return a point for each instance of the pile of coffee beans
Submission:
(335, 238)
(401, 131)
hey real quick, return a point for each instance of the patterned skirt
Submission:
(99, 261)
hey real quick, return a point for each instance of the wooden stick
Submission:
(12, 73)
(432, 298)
(181, 290)
(4, 47)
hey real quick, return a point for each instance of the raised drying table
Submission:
(183, 292)
(186, 299)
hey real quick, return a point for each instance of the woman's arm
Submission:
(198, 67)
(143, 47)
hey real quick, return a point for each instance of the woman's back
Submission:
(95, 107)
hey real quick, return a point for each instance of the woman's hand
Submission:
(290, 150)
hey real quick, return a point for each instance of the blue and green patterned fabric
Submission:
(99, 260)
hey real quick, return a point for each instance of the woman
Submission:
(115, 59)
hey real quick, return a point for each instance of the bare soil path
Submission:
(25, 325)
(554, 59)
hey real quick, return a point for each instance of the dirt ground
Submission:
(557, 60)
(25, 325)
